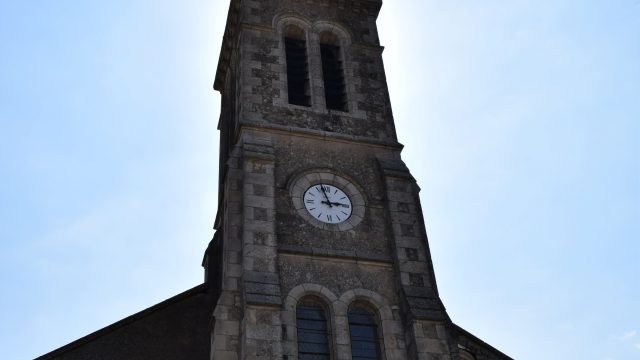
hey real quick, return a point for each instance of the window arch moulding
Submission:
(297, 88)
(318, 294)
(390, 327)
(313, 329)
(338, 75)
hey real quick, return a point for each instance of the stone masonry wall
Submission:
(297, 155)
(263, 99)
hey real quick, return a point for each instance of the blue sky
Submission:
(521, 125)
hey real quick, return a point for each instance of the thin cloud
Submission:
(628, 335)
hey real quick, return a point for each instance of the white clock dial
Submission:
(327, 203)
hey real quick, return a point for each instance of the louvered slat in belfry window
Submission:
(333, 75)
(313, 339)
(297, 72)
(363, 331)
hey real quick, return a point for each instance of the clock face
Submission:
(327, 200)
(327, 203)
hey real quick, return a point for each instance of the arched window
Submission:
(295, 46)
(313, 331)
(335, 92)
(363, 329)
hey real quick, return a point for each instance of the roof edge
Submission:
(477, 339)
(126, 321)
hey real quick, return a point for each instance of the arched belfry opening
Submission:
(335, 92)
(295, 44)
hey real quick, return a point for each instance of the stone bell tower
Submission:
(320, 249)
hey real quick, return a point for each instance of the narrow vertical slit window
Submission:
(297, 68)
(313, 334)
(335, 93)
(363, 330)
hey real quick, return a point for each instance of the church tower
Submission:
(320, 249)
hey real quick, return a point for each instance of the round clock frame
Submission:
(303, 182)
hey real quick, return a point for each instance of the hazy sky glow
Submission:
(521, 122)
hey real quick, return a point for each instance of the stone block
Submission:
(262, 289)
(260, 251)
(411, 254)
(230, 283)
(260, 214)
(265, 202)
(233, 270)
(261, 277)
(259, 178)
(407, 230)
(227, 327)
(404, 207)
(413, 267)
(225, 355)
(261, 190)
(263, 332)
(432, 346)
(257, 299)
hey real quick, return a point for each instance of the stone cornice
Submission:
(320, 134)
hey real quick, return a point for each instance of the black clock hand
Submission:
(334, 203)
(325, 196)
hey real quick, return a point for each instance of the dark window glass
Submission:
(363, 330)
(333, 74)
(313, 341)
(297, 71)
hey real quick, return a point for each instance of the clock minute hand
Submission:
(325, 196)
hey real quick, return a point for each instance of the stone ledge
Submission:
(429, 314)
(395, 168)
(261, 277)
(269, 300)
(424, 303)
(325, 135)
(262, 289)
(415, 291)
(359, 255)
